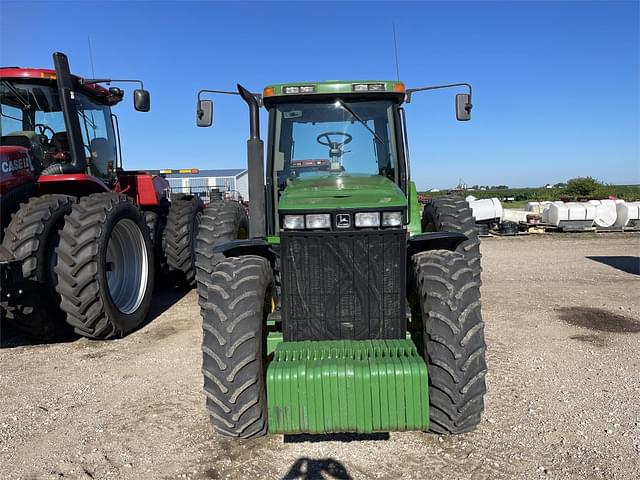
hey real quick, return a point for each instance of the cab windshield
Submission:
(31, 116)
(331, 138)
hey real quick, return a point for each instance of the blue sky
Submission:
(556, 84)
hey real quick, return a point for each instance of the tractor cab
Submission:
(63, 122)
(333, 143)
(32, 117)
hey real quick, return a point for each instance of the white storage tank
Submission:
(537, 207)
(486, 209)
(513, 215)
(606, 212)
(628, 214)
(533, 207)
(545, 210)
(572, 214)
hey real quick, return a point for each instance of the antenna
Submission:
(93, 73)
(395, 47)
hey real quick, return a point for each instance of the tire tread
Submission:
(454, 345)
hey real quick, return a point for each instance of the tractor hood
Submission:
(15, 167)
(330, 192)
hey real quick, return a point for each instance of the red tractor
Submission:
(82, 237)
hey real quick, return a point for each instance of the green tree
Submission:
(583, 187)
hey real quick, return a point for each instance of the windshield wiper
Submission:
(13, 89)
(355, 115)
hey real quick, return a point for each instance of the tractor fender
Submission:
(434, 241)
(77, 184)
(253, 246)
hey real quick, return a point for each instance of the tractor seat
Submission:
(102, 155)
(60, 141)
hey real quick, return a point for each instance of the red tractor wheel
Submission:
(105, 266)
(179, 238)
(31, 238)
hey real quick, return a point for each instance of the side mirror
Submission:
(463, 107)
(204, 113)
(141, 100)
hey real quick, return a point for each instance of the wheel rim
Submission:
(127, 266)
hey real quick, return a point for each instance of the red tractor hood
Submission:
(15, 167)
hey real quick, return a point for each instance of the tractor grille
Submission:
(343, 285)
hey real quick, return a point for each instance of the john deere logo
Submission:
(343, 220)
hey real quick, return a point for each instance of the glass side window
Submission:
(32, 118)
(334, 137)
(97, 136)
(11, 119)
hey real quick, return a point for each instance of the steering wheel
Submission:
(332, 144)
(43, 128)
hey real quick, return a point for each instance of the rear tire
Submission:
(234, 344)
(156, 223)
(452, 214)
(179, 238)
(32, 237)
(453, 340)
(10, 203)
(221, 222)
(105, 266)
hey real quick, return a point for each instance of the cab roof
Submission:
(328, 87)
(50, 75)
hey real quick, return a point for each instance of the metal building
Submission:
(232, 180)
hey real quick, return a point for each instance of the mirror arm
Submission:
(410, 91)
(226, 92)
(92, 81)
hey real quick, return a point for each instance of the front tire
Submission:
(233, 345)
(453, 340)
(105, 266)
(32, 237)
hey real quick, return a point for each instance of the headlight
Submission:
(391, 219)
(293, 222)
(318, 220)
(367, 219)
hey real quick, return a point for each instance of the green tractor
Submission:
(345, 308)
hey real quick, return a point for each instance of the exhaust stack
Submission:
(71, 120)
(255, 164)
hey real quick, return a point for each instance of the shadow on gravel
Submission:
(309, 469)
(336, 437)
(163, 299)
(598, 320)
(10, 338)
(627, 264)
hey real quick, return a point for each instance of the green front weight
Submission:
(347, 386)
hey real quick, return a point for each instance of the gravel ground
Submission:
(562, 317)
